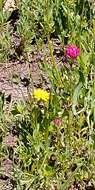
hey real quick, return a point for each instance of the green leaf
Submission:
(1, 4)
(48, 171)
(76, 97)
(67, 183)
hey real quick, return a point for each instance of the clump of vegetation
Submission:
(48, 140)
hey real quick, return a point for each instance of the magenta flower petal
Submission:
(72, 51)
(57, 121)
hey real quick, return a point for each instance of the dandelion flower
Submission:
(40, 94)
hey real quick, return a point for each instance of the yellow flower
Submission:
(40, 94)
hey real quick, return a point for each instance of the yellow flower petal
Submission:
(40, 94)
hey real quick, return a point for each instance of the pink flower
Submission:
(57, 121)
(72, 51)
(10, 140)
(7, 166)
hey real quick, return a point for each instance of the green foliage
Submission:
(47, 154)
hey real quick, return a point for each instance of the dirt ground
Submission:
(13, 79)
(14, 76)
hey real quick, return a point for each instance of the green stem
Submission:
(54, 63)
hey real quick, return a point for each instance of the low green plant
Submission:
(55, 128)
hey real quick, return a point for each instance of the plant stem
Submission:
(54, 63)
